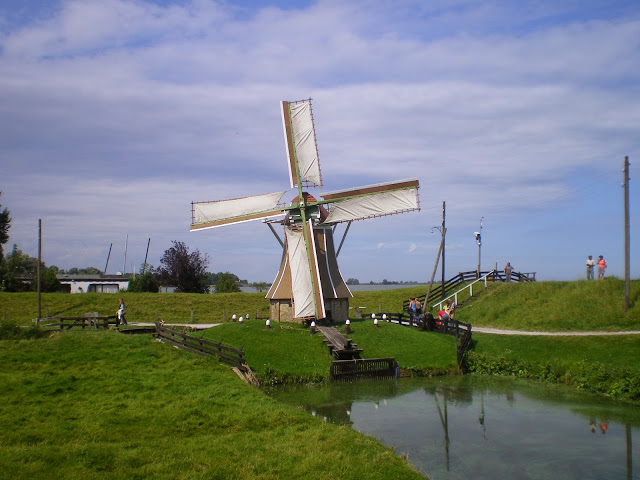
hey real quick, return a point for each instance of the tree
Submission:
(83, 271)
(49, 281)
(20, 273)
(183, 270)
(227, 283)
(144, 281)
(260, 286)
(5, 225)
(353, 281)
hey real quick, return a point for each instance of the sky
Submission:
(115, 116)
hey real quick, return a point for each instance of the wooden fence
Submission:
(374, 368)
(88, 320)
(440, 291)
(228, 355)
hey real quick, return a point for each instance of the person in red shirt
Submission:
(602, 266)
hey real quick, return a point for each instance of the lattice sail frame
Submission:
(347, 205)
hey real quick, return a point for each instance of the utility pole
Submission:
(627, 280)
(38, 269)
(443, 245)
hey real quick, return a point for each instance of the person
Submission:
(418, 306)
(412, 308)
(602, 266)
(449, 308)
(443, 316)
(120, 314)
(590, 264)
(508, 270)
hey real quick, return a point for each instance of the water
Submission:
(472, 427)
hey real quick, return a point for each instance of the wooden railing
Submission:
(228, 355)
(374, 368)
(90, 319)
(442, 292)
(454, 296)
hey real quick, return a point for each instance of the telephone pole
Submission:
(38, 270)
(627, 280)
(443, 242)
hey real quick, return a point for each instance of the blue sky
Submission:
(116, 115)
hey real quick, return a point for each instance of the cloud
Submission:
(116, 115)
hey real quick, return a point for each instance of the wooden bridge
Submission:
(340, 347)
(348, 365)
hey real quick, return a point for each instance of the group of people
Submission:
(445, 314)
(591, 264)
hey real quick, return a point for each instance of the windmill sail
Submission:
(372, 201)
(300, 141)
(306, 298)
(235, 210)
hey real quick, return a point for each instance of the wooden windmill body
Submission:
(309, 285)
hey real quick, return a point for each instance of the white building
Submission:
(82, 283)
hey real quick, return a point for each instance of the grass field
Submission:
(96, 405)
(99, 404)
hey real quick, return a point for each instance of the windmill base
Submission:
(282, 310)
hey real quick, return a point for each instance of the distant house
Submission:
(83, 283)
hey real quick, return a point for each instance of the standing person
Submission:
(412, 308)
(508, 270)
(590, 264)
(418, 306)
(602, 266)
(120, 313)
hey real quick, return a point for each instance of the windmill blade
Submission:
(305, 279)
(236, 210)
(301, 145)
(372, 201)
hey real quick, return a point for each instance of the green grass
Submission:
(620, 351)
(98, 404)
(555, 306)
(288, 353)
(85, 405)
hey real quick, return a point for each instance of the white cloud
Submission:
(116, 115)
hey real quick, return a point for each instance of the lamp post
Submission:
(478, 236)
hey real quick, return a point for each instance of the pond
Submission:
(476, 427)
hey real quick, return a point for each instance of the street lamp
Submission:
(478, 236)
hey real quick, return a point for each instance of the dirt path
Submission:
(497, 331)
(194, 326)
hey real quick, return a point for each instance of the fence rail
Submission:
(228, 355)
(378, 368)
(84, 321)
(444, 291)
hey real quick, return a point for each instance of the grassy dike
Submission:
(105, 405)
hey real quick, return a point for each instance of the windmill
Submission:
(309, 282)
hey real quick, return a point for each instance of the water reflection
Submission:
(484, 427)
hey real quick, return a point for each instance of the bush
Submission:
(614, 381)
(10, 331)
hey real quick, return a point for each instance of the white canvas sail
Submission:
(300, 136)
(375, 205)
(236, 210)
(300, 274)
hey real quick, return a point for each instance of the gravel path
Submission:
(497, 331)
